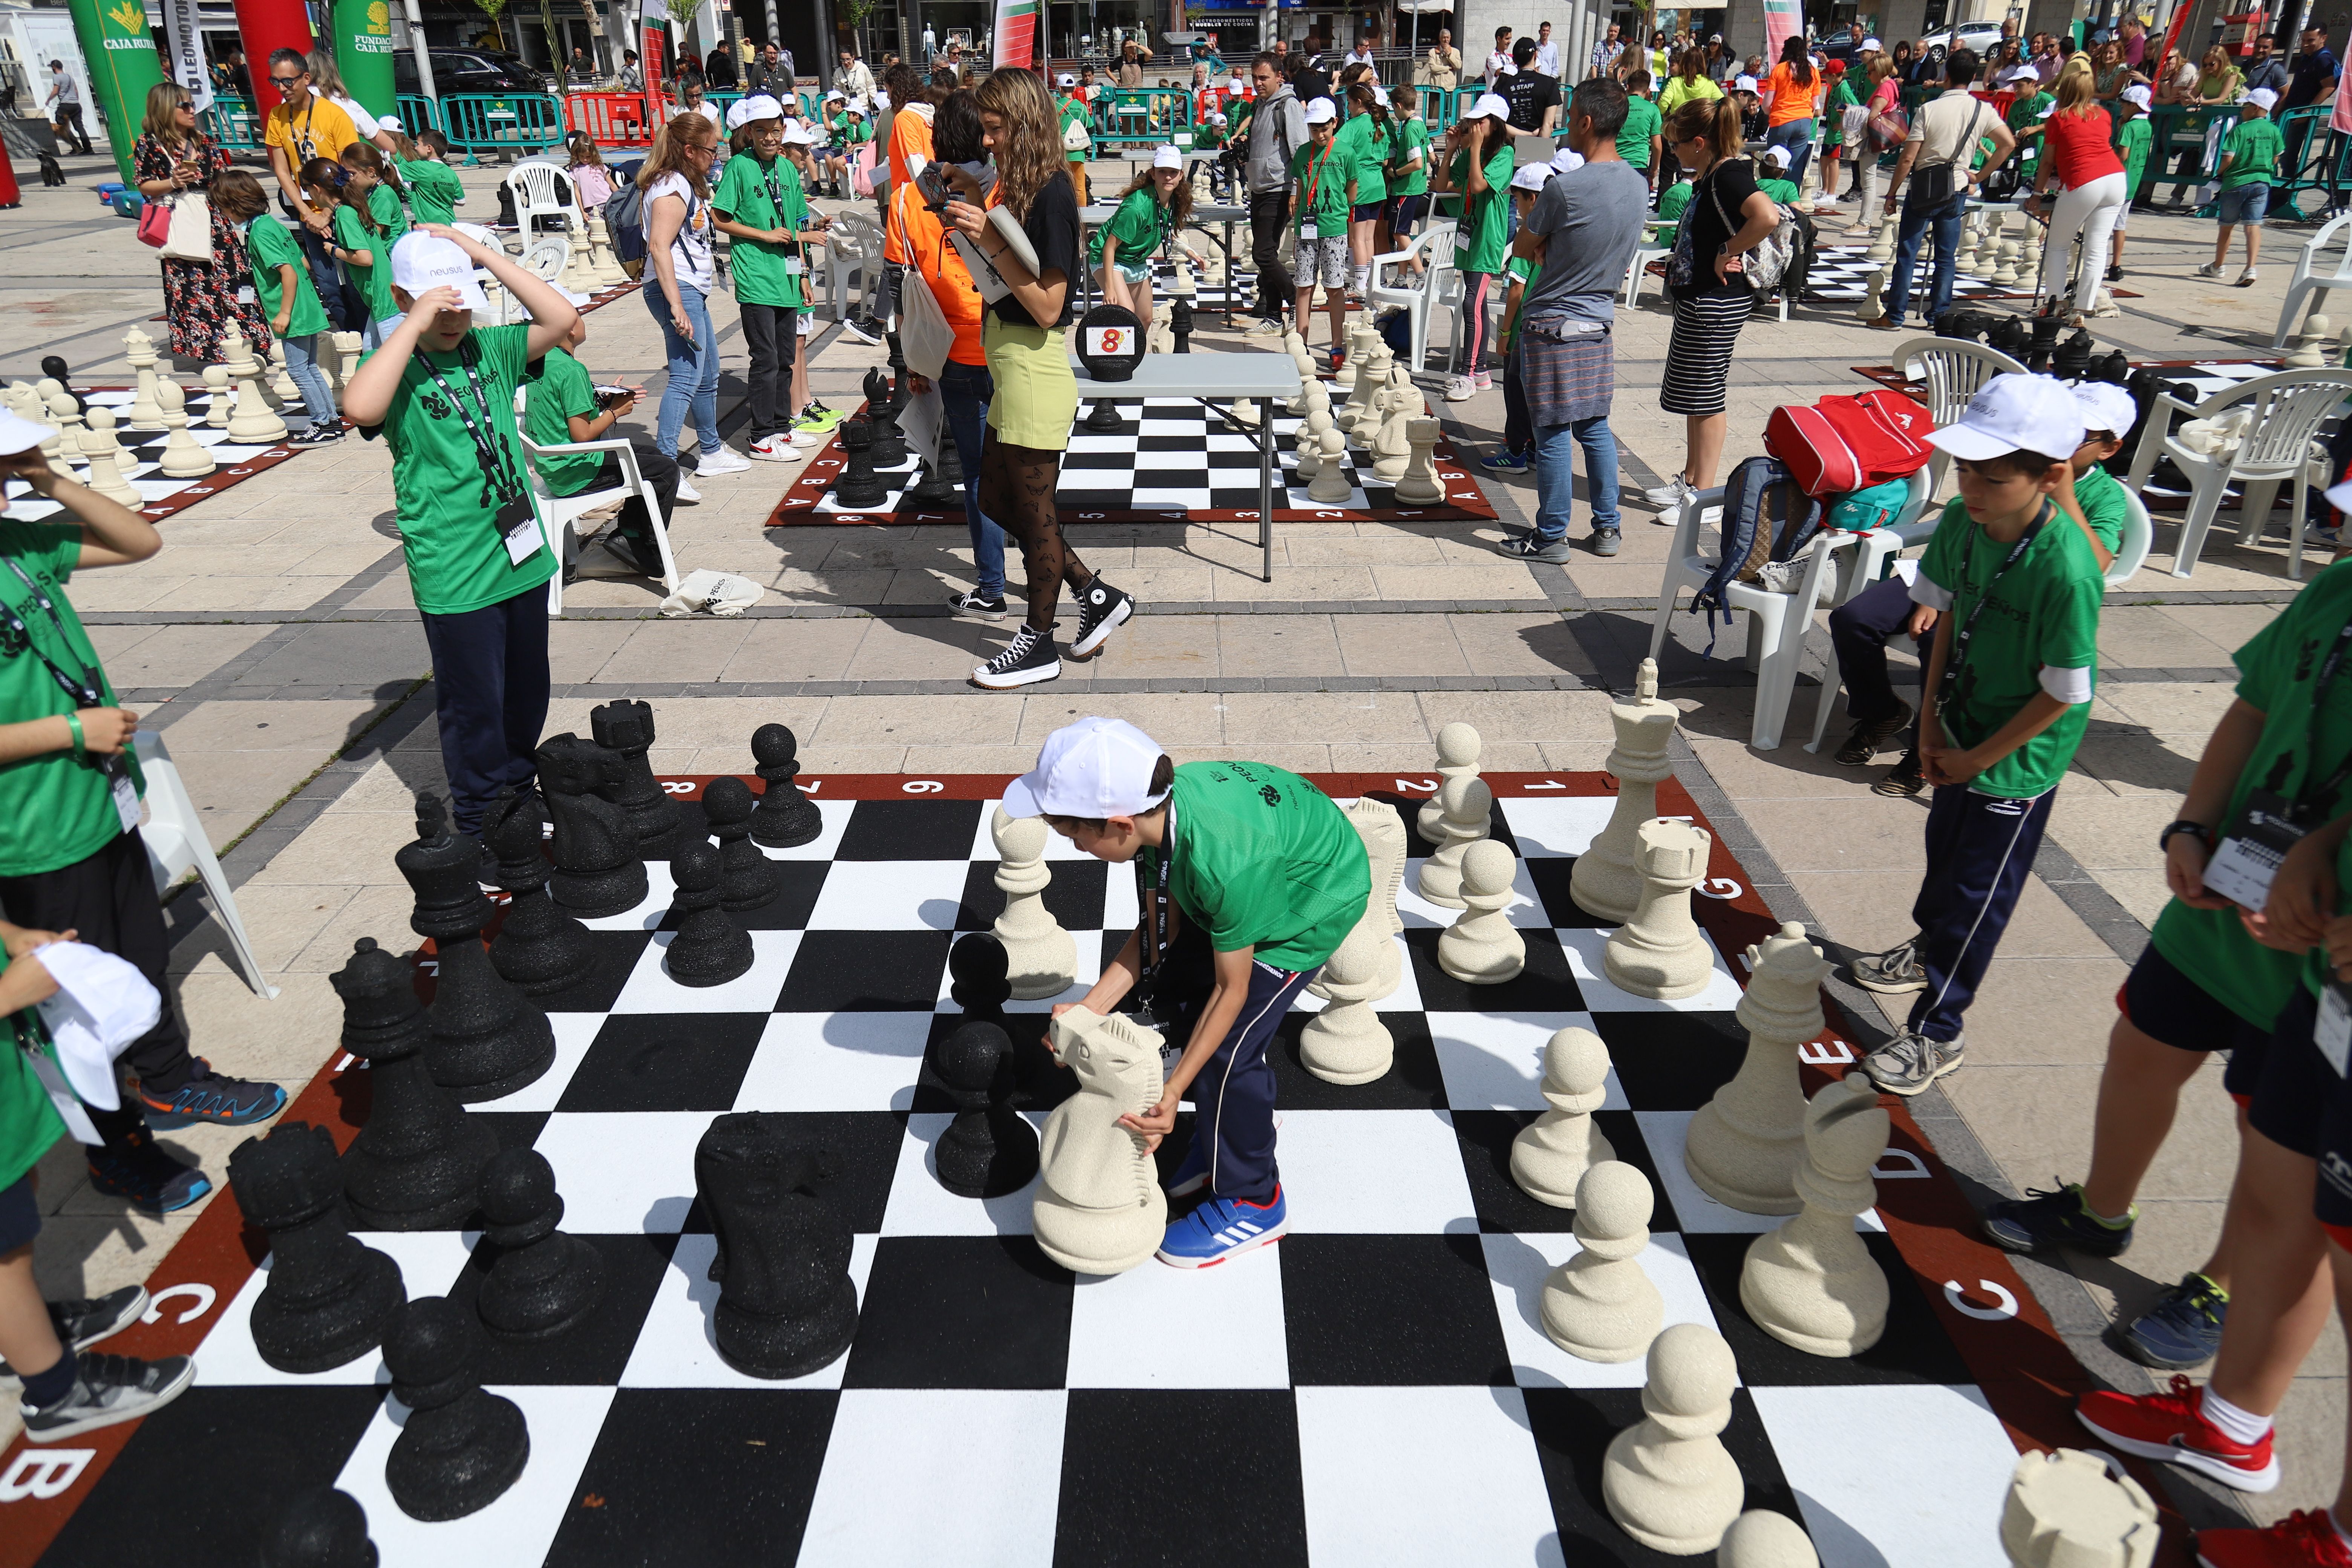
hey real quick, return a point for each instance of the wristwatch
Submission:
(2183, 826)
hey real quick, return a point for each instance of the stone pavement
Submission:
(274, 644)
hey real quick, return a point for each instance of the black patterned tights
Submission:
(1016, 491)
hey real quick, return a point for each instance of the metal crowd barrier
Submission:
(231, 121)
(478, 122)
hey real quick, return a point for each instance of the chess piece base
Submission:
(1833, 1315)
(1740, 1170)
(1099, 1241)
(439, 1051)
(1671, 1518)
(354, 1322)
(1347, 1061)
(455, 1171)
(792, 1346)
(1036, 975)
(1566, 1317)
(1529, 1172)
(435, 1472)
(504, 1310)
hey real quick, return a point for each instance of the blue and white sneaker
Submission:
(1192, 1171)
(1221, 1227)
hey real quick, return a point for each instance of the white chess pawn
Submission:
(1873, 303)
(2066, 1510)
(1418, 485)
(347, 347)
(1361, 384)
(217, 397)
(2311, 348)
(59, 449)
(1762, 1538)
(1552, 1152)
(1482, 947)
(1310, 443)
(2344, 346)
(103, 455)
(1659, 952)
(183, 457)
(1041, 959)
(138, 348)
(251, 423)
(1812, 1283)
(1667, 1479)
(1457, 758)
(1099, 1208)
(71, 430)
(1746, 1145)
(2004, 272)
(1334, 485)
(1604, 880)
(1601, 1305)
(1345, 1043)
(1465, 807)
(1881, 248)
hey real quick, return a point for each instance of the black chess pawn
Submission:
(748, 880)
(932, 492)
(598, 871)
(988, 1150)
(542, 1281)
(882, 414)
(321, 1528)
(539, 947)
(1953, 323)
(54, 367)
(859, 488)
(627, 729)
(418, 1163)
(460, 1448)
(1103, 418)
(950, 462)
(329, 1299)
(786, 1303)
(2008, 335)
(488, 1038)
(709, 946)
(2072, 360)
(2113, 367)
(978, 968)
(1180, 324)
(784, 817)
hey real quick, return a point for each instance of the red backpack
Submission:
(1842, 444)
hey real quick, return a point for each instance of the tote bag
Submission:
(191, 238)
(924, 333)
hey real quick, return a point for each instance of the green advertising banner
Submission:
(362, 35)
(120, 54)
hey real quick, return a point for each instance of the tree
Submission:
(492, 10)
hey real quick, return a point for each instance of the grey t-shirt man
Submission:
(1591, 221)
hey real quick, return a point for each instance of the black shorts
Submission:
(20, 1217)
(2168, 1006)
(1369, 212)
(1405, 211)
(2302, 1104)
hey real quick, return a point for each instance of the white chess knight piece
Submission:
(146, 413)
(1392, 445)
(217, 397)
(103, 455)
(1418, 485)
(1310, 443)
(1363, 383)
(1604, 880)
(1659, 952)
(1552, 1152)
(1465, 807)
(1333, 485)
(1667, 1479)
(1600, 1305)
(1385, 847)
(1041, 959)
(1745, 1146)
(1345, 1043)
(1377, 371)
(2067, 1509)
(1457, 758)
(1812, 1283)
(2311, 349)
(1482, 947)
(184, 457)
(1762, 1538)
(1099, 1208)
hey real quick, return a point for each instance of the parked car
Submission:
(1977, 36)
(467, 70)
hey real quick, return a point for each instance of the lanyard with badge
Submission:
(1967, 629)
(792, 263)
(83, 691)
(2269, 823)
(502, 489)
(1152, 898)
(1309, 229)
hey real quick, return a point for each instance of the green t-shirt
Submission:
(29, 1124)
(374, 282)
(762, 196)
(1318, 178)
(1641, 122)
(2044, 613)
(555, 389)
(1366, 147)
(434, 190)
(1840, 98)
(58, 811)
(1524, 271)
(2254, 147)
(2025, 114)
(456, 558)
(1413, 137)
(269, 245)
(1781, 191)
(1141, 227)
(1263, 860)
(1073, 114)
(1479, 243)
(2101, 498)
(2131, 146)
(383, 205)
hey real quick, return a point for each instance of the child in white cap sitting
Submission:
(1774, 180)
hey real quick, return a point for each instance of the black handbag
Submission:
(1931, 187)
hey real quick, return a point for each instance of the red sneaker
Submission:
(2172, 1427)
(2304, 1539)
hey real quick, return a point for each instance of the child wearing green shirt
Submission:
(1153, 210)
(563, 407)
(281, 278)
(1518, 452)
(1364, 143)
(760, 202)
(435, 191)
(2249, 160)
(1773, 179)
(1318, 210)
(1641, 141)
(1408, 169)
(1478, 166)
(2132, 143)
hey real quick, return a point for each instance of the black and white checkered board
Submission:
(143, 462)
(1376, 1389)
(1841, 272)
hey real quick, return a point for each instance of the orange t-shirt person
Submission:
(936, 262)
(909, 150)
(1794, 100)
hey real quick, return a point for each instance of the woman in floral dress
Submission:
(200, 298)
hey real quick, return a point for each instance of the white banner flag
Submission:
(184, 46)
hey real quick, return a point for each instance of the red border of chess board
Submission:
(2012, 1350)
(604, 297)
(212, 484)
(798, 508)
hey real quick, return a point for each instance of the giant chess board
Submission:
(143, 460)
(1376, 1389)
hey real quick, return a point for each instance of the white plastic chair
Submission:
(174, 835)
(1418, 297)
(2139, 533)
(546, 256)
(2288, 408)
(1645, 252)
(1953, 369)
(1776, 623)
(543, 190)
(2314, 275)
(854, 249)
(561, 514)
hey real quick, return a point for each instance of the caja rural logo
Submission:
(132, 18)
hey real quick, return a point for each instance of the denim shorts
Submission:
(2246, 203)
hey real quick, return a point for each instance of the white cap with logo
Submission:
(2015, 412)
(1322, 111)
(1165, 156)
(2105, 406)
(758, 106)
(420, 261)
(18, 434)
(1093, 768)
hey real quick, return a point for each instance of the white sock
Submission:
(1363, 275)
(2239, 1425)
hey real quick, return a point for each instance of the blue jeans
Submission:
(303, 364)
(693, 370)
(1907, 252)
(1797, 136)
(1555, 475)
(964, 391)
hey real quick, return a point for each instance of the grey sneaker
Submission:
(1605, 540)
(109, 1389)
(81, 1323)
(1892, 972)
(1528, 547)
(1909, 1062)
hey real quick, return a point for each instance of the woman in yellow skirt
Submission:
(1036, 394)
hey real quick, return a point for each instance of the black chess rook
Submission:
(417, 1162)
(598, 870)
(784, 818)
(460, 1448)
(786, 1303)
(542, 1282)
(329, 1299)
(627, 729)
(748, 880)
(487, 1039)
(709, 946)
(538, 946)
(988, 1150)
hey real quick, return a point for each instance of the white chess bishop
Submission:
(1099, 1208)
(1041, 958)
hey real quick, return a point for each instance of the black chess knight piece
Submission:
(710, 946)
(418, 1163)
(598, 871)
(460, 1448)
(784, 817)
(882, 414)
(786, 1303)
(329, 1299)
(2072, 360)
(748, 880)
(321, 1528)
(488, 1038)
(627, 729)
(988, 1150)
(542, 1281)
(539, 947)
(859, 488)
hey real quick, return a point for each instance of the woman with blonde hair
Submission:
(201, 299)
(2077, 152)
(1034, 395)
(328, 83)
(1882, 96)
(676, 180)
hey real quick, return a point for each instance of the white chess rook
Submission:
(1041, 959)
(1667, 1479)
(1099, 1208)
(2067, 1509)
(1384, 851)
(183, 457)
(1812, 1283)
(1345, 1043)
(1746, 1145)
(1552, 1153)
(1457, 757)
(1482, 947)
(1600, 1305)
(1659, 952)
(1464, 805)
(1604, 880)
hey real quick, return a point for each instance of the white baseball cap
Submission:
(1322, 111)
(1166, 157)
(1067, 79)
(18, 434)
(1216, 117)
(836, 96)
(389, 123)
(1873, 47)
(738, 114)
(1743, 83)
(1777, 156)
(1093, 768)
(2105, 406)
(2262, 98)
(2139, 94)
(1380, 95)
(2015, 412)
(797, 135)
(1568, 160)
(1489, 106)
(759, 106)
(420, 261)
(1533, 178)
